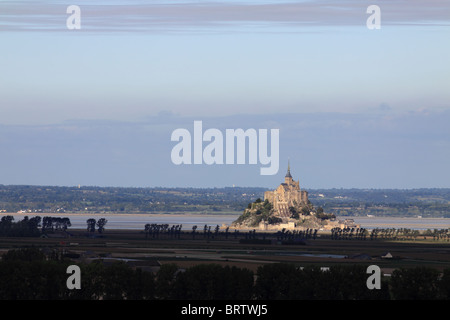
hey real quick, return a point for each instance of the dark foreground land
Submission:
(194, 266)
(242, 249)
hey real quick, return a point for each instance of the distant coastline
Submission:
(427, 202)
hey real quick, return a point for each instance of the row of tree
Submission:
(36, 226)
(292, 235)
(100, 223)
(154, 230)
(28, 274)
(32, 227)
(349, 233)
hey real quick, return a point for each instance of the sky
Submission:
(355, 107)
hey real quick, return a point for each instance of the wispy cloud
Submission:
(212, 16)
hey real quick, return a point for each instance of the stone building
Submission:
(288, 194)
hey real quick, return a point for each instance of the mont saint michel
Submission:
(286, 207)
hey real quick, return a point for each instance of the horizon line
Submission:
(223, 187)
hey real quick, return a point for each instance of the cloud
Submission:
(216, 16)
(403, 150)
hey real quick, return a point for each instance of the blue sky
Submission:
(96, 106)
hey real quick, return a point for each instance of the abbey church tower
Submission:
(288, 194)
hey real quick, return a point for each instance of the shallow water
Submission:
(397, 223)
(138, 221)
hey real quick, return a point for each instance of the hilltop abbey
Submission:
(288, 194)
(287, 207)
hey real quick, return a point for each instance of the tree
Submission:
(65, 222)
(91, 225)
(216, 231)
(305, 211)
(7, 220)
(164, 282)
(277, 282)
(293, 212)
(101, 224)
(47, 223)
(445, 284)
(213, 282)
(417, 283)
(24, 254)
(35, 221)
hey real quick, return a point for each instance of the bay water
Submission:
(138, 221)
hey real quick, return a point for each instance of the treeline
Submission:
(27, 274)
(36, 226)
(349, 233)
(32, 227)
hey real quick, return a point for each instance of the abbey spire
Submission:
(288, 174)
